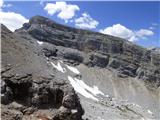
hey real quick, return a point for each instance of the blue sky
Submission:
(138, 22)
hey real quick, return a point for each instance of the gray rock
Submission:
(99, 60)
(30, 80)
(41, 95)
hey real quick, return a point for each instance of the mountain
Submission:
(52, 71)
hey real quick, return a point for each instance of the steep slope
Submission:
(114, 78)
(28, 84)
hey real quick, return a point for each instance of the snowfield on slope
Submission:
(59, 67)
(94, 90)
(40, 42)
(80, 89)
(73, 69)
(79, 85)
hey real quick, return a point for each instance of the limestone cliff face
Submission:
(48, 71)
(95, 49)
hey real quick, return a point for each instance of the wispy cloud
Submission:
(154, 26)
(126, 33)
(86, 22)
(7, 5)
(64, 11)
(3, 5)
(143, 33)
(151, 28)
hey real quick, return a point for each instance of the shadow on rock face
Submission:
(44, 95)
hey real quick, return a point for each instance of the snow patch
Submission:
(80, 88)
(40, 42)
(107, 96)
(142, 119)
(73, 69)
(99, 118)
(94, 90)
(59, 67)
(136, 105)
(149, 112)
(73, 111)
(60, 61)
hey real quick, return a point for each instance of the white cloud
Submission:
(126, 33)
(12, 20)
(86, 22)
(65, 11)
(151, 28)
(133, 38)
(118, 30)
(142, 33)
(1, 4)
(154, 26)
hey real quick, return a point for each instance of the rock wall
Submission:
(97, 49)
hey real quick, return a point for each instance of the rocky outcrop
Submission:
(128, 59)
(23, 84)
(45, 94)
(96, 59)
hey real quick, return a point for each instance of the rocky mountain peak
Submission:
(40, 20)
(53, 71)
(95, 49)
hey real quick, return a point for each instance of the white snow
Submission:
(80, 89)
(94, 90)
(79, 85)
(40, 42)
(136, 105)
(59, 67)
(73, 69)
(73, 111)
(99, 118)
(60, 61)
(107, 96)
(149, 112)
(142, 119)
